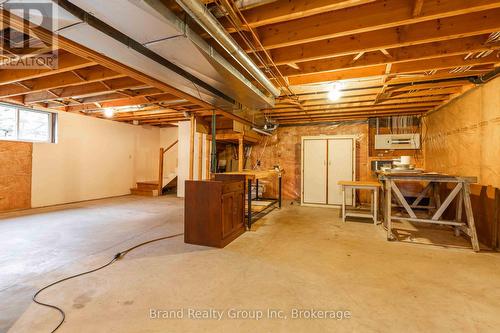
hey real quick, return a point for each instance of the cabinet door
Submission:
(227, 213)
(239, 209)
(340, 167)
(314, 171)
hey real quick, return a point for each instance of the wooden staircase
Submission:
(156, 188)
(146, 189)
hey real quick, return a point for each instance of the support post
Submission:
(160, 172)
(213, 162)
(249, 203)
(388, 208)
(200, 156)
(470, 217)
(343, 203)
(208, 152)
(280, 190)
(191, 148)
(241, 154)
(257, 189)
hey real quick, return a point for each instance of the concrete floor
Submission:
(296, 258)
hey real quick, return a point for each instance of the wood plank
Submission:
(83, 90)
(286, 10)
(91, 74)
(460, 46)
(67, 62)
(419, 33)
(416, 66)
(447, 202)
(402, 200)
(191, 146)
(360, 19)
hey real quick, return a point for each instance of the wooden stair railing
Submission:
(160, 170)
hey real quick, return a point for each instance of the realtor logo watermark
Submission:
(249, 314)
(26, 41)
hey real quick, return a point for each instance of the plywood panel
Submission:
(462, 137)
(15, 175)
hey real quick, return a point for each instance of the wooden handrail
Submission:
(160, 166)
(170, 147)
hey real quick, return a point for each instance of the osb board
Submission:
(284, 149)
(15, 175)
(462, 137)
(483, 208)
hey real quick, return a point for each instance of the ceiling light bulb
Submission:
(108, 113)
(334, 95)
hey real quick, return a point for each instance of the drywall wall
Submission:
(168, 136)
(15, 175)
(184, 132)
(284, 149)
(463, 137)
(93, 158)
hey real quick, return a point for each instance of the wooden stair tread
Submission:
(144, 192)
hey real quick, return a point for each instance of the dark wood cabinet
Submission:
(214, 212)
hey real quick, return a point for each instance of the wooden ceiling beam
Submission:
(115, 102)
(461, 46)
(420, 33)
(90, 74)
(360, 19)
(341, 118)
(315, 109)
(374, 90)
(84, 90)
(398, 68)
(367, 113)
(286, 10)
(67, 62)
(369, 100)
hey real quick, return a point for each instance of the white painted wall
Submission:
(94, 158)
(183, 156)
(168, 135)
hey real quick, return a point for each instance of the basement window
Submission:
(20, 124)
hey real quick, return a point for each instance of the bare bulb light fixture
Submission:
(334, 93)
(108, 113)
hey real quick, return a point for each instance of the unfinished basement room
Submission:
(249, 166)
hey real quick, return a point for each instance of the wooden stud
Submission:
(241, 154)
(200, 156)
(191, 147)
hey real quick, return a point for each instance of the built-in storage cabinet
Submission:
(326, 160)
(214, 212)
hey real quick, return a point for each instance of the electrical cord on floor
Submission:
(117, 256)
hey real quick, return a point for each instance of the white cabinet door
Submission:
(314, 164)
(340, 167)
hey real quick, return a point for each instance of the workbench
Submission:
(435, 209)
(255, 212)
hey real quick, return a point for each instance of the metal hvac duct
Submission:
(208, 22)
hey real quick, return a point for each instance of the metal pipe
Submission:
(487, 77)
(208, 22)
